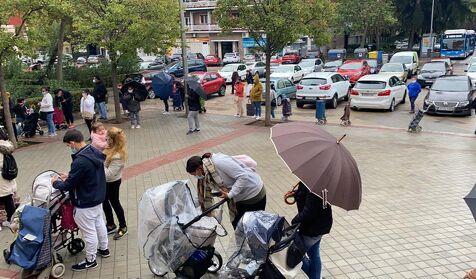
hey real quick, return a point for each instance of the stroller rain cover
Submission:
(161, 239)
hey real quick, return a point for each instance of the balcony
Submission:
(198, 4)
(203, 28)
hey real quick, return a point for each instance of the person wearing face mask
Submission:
(134, 107)
(100, 95)
(86, 183)
(86, 108)
(46, 107)
(229, 179)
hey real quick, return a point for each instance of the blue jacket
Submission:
(86, 180)
(414, 89)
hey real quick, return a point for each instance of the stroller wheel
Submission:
(155, 270)
(59, 258)
(217, 262)
(6, 255)
(57, 271)
(75, 246)
(41, 133)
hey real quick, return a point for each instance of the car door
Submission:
(318, 65)
(397, 89)
(261, 67)
(214, 83)
(280, 89)
(206, 84)
(338, 85)
(241, 70)
(290, 89)
(297, 73)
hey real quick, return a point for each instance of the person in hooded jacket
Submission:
(315, 220)
(100, 96)
(86, 183)
(194, 107)
(256, 94)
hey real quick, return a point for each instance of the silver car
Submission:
(257, 67)
(311, 65)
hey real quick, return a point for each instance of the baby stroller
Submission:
(177, 100)
(260, 249)
(414, 126)
(175, 236)
(31, 125)
(37, 243)
(58, 119)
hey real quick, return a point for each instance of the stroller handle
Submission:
(291, 233)
(204, 213)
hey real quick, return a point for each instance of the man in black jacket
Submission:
(100, 95)
(193, 109)
(65, 100)
(86, 183)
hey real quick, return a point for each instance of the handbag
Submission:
(250, 109)
(296, 251)
(87, 115)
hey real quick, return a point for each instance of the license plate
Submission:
(368, 94)
(445, 108)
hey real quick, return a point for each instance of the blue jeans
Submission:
(134, 117)
(51, 124)
(311, 264)
(412, 102)
(257, 108)
(272, 112)
(102, 110)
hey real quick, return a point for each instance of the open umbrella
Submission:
(321, 162)
(194, 84)
(162, 84)
(470, 200)
(139, 89)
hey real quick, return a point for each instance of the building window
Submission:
(187, 21)
(204, 19)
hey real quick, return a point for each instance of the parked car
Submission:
(146, 79)
(324, 85)
(284, 89)
(378, 91)
(451, 95)
(332, 66)
(291, 57)
(409, 58)
(311, 65)
(249, 58)
(445, 60)
(94, 59)
(291, 72)
(227, 71)
(231, 57)
(212, 60)
(80, 62)
(146, 62)
(191, 56)
(395, 69)
(273, 66)
(354, 70)
(431, 71)
(277, 59)
(257, 67)
(212, 82)
(374, 66)
(471, 73)
(175, 69)
(471, 61)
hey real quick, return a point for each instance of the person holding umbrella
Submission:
(194, 107)
(133, 106)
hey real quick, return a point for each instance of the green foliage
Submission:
(33, 101)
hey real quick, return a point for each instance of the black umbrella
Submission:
(194, 84)
(139, 89)
(470, 200)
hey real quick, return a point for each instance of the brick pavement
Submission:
(413, 222)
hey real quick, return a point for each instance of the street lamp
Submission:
(431, 28)
(184, 54)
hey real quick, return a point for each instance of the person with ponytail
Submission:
(230, 179)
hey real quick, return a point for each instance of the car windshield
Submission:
(456, 85)
(401, 59)
(472, 68)
(336, 63)
(307, 63)
(284, 69)
(210, 57)
(313, 81)
(370, 84)
(433, 67)
(291, 53)
(351, 66)
(173, 65)
(392, 68)
(372, 63)
(250, 63)
(228, 68)
(199, 76)
(453, 44)
(229, 54)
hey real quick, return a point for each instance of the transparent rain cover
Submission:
(252, 240)
(43, 188)
(161, 239)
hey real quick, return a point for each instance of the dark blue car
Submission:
(194, 65)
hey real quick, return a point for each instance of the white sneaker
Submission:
(133, 127)
(165, 112)
(257, 117)
(137, 126)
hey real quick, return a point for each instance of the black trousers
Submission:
(242, 208)
(89, 123)
(166, 104)
(112, 199)
(68, 114)
(7, 201)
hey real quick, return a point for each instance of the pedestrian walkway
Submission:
(413, 222)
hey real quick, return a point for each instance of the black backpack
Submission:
(9, 169)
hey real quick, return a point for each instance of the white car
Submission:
(227, 71)
(257, 67)
(231, 57)
(292, 72)
(330, 86)
(378, 91)
(395, 69)
(471, 73)
(311, 65)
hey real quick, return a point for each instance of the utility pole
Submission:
(184, 54)
(431, 28)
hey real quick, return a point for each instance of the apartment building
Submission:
(203, 33)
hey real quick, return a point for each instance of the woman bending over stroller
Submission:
(232, 179)
(7, 187)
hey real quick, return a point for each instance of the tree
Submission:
(123, 26)
(11, 43)
(274, 24)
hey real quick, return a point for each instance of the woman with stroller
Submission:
(87, 108)
(231, 179)
(65, 101)
(7, 187)
(46, 107)
(315, 218)
(20, 114)
(115, 159)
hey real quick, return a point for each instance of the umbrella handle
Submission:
(289, 198)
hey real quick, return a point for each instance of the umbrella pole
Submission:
(341, 138)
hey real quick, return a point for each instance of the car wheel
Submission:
(151, 94)
(300, 105)
(279, 100)
(334, 102)
(392, 106)
(221, 93)
(404, 98)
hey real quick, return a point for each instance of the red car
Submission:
(291, 58)
(354, 69)
(212, 59)
(212, 82)
(276, 59)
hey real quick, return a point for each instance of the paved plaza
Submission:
(413, 222)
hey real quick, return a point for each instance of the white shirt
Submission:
(87, 104)
(46, 104)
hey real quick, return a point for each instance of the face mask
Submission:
(73, 151)
(199, 177)
(130, 91)
(94, 81)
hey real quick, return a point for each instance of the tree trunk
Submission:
(364, 37)
(410, 39)
(377, 39)
(346, 39)
(6, 107)
(117, 104)
(267, 117)
(59, 65)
